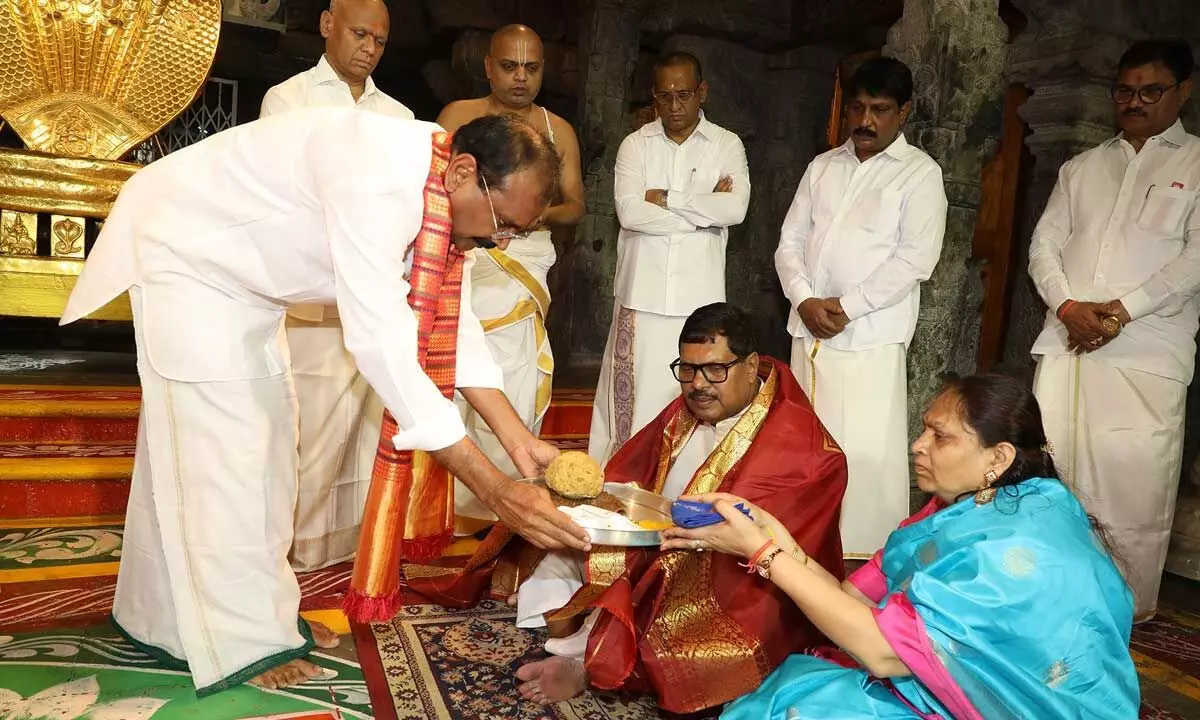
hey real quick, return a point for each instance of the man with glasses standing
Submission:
(739, 423)
(681, 182)
(1116, 258)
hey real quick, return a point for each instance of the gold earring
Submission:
(987, 493)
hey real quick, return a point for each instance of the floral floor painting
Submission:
(94, 674)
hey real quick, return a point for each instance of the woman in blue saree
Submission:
(998, 600)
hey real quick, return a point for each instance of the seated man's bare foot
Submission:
(511, 601)
(552, 680)
(323, 637)
(293, 672)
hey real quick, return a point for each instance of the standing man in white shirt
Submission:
(509, 288)
(681, 182)
(355, 32)
(336, 435)
(213, 243)
(1116, 258)
(864, 230)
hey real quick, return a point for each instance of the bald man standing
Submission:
(334, 464)
(509, 289)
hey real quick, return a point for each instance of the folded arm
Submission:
(629, 193)
(922, 227)
(718, 209)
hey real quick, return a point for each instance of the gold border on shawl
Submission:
(675, 436)
(520, 311)
(536, 306)
(737, 443)
(696, 642)
(605, 565)
(518, 272)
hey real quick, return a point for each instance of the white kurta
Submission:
(559, 575)
(1123, 225)
(670, 261)
(336, 450)
(867, 233)
(214, 242)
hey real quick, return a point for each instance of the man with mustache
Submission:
(213, 244)
(691, 627)
(509, 288)
(1116, 258)
(864, 230)
(334, 465)
(681, 183)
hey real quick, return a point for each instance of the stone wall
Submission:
(957, 50)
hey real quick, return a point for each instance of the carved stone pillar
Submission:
(582, 282)
(1068, 66)
(956, 50)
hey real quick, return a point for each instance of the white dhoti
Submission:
(560, 574)
(1117, 435)
(340, 419)
(635, 377)
(510, 296)
(552, 584)
(862, 399)
(204, 577)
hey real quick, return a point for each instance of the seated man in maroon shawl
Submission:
(693, 627)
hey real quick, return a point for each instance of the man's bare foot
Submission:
(323, 637)
(552, 680)
(293, 672)
(511, 601)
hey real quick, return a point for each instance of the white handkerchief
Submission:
(599, 519)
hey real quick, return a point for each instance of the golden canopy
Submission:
(82, 82)
(94, 78)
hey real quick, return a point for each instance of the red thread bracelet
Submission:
(1062, 309)
(754, 558)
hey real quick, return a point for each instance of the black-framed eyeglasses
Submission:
(668, 99)
(1149, 94)
(715, 373)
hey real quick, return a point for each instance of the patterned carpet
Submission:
(439, 663)
(65, 459)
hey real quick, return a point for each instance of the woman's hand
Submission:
(738, 535)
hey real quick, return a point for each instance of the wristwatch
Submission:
(764, 564)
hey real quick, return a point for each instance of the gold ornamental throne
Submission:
(82, 82)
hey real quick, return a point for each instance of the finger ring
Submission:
(1094, 341)
(697, 545)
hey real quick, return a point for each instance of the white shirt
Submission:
(319, 86)
(316, 206)
(868, 233)
(1124, 225)
(705, 438)
(671, 261)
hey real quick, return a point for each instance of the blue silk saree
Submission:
(1010, 610)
